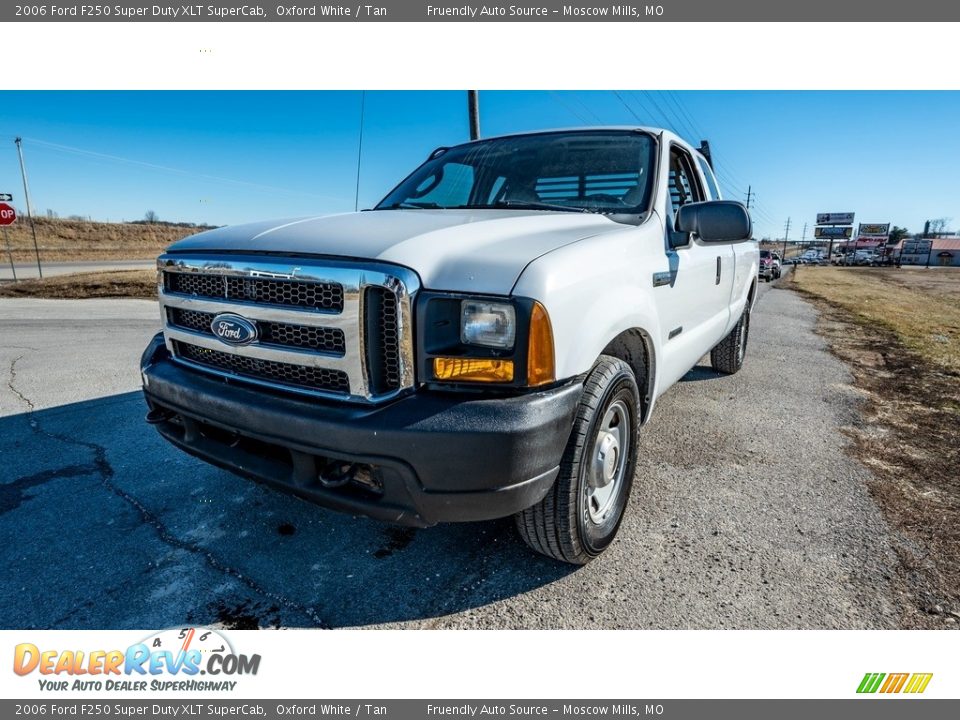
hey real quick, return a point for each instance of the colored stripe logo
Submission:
(913, 683)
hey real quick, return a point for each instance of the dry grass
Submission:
(64, 240)
(114, 284)
(920, 306)
(898, 330)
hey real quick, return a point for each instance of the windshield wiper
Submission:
(533, 205)
(411, 206)
(525, 205)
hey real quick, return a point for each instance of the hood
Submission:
(480, 251)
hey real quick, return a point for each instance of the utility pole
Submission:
(26, 195)
(473, 111)
(786, 234)
(363, 104)
(6, 240)
(749, 195)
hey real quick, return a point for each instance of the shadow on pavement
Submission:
(701, 372)
(103, 525)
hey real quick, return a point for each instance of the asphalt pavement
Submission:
(746, 511)
(27, 271)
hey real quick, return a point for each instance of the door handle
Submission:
(718, 271)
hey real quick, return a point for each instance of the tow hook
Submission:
(159, 415)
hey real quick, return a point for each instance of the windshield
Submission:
(604, 171)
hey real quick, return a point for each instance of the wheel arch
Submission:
(635, 347)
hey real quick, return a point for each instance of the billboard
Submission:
(874, 230)
(835, 218)
(835, 232)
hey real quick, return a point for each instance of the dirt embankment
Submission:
(65, 240)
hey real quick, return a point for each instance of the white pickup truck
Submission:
(485, 342)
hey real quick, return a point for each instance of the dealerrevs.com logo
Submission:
(910, 683)
(170, 660)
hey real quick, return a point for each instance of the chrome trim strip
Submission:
(346, 320)
(291, 355)
(354, 277)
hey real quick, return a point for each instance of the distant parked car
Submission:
(766, 269)
(777, 263)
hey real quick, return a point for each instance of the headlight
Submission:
(471, 340)
(488, 324)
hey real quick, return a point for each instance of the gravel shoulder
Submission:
(747, 510)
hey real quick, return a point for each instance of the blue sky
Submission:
(229, 157)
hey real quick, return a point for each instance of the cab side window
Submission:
(683, 187)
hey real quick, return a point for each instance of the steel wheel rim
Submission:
(605, 474)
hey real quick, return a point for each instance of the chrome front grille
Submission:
(327, 328)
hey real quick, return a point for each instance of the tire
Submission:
(578, 520)
(727, 357)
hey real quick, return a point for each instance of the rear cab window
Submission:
(713, 190)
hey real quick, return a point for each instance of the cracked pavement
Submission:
(746, 511)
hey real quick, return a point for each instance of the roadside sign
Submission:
(917, 247)
(874, 230)
(8, 216)
(835, 218)
(6, 197)
(834, 231)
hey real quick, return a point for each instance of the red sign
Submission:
(8, 216)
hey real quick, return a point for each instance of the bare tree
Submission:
(150, 217)
(939, 225)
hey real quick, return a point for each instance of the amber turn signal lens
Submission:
(473, 369)
(541, 367)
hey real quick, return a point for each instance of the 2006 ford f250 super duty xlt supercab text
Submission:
(485, 342)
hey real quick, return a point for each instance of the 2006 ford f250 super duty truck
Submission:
(484, 342)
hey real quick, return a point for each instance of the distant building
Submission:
(944, 251)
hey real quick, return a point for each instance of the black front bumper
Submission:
(432, 457)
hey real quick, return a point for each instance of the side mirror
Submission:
(716, 221)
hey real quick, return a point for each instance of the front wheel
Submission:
(581, 514)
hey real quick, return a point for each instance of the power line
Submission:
(556, 98)
(666, 119)
(629, 109)
(177, 171)
(643, 107)
(683, 110)
(587, 109)
(693, 131)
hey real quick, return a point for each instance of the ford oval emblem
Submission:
(233, 329)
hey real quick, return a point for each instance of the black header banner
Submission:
(202, 708)
(452, 11)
